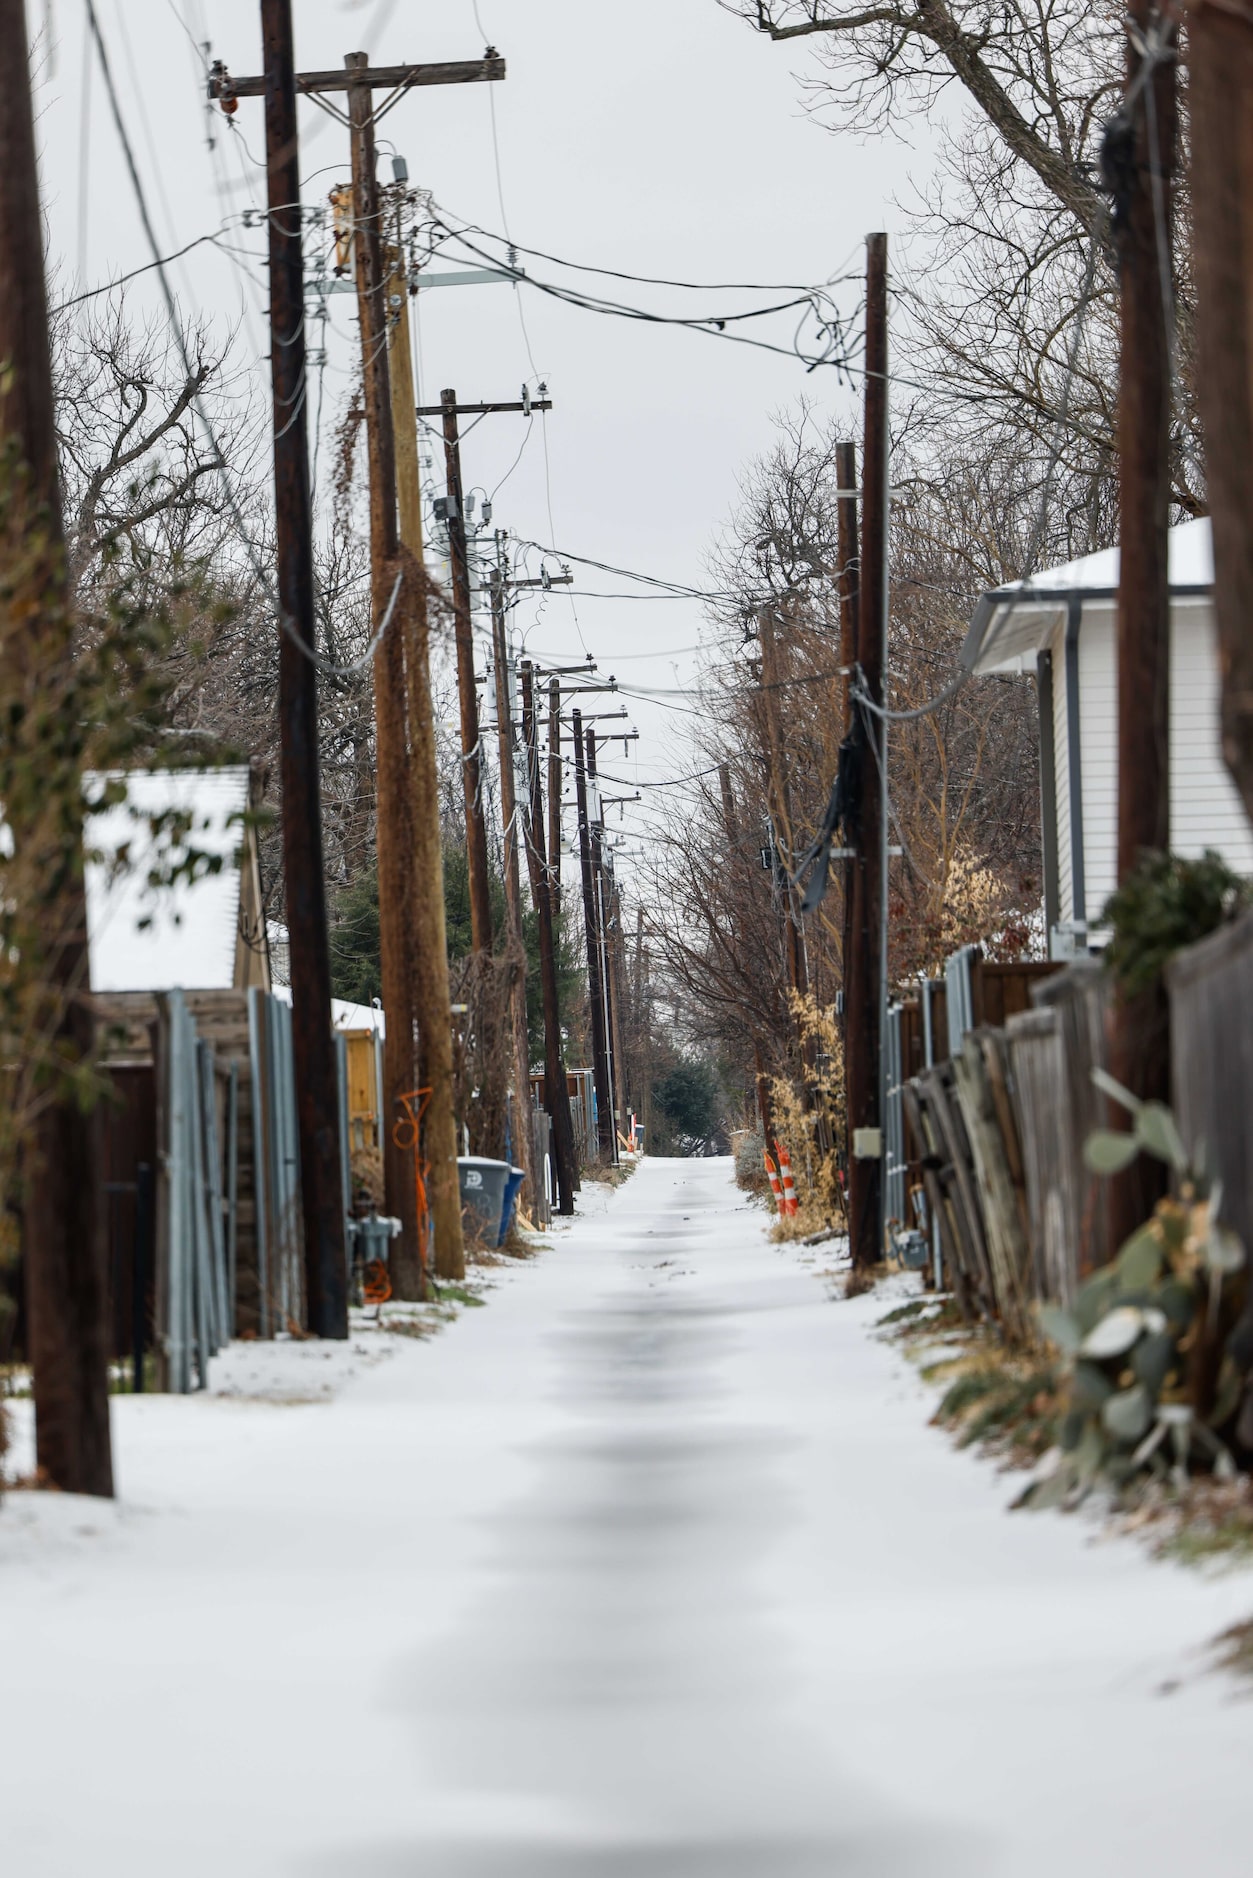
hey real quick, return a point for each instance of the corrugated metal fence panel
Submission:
(894, 1131)
(1211, 996)
(276, 1150)
(960, 1008)
(194, 1291)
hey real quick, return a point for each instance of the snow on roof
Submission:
(344, 1014)
(1011, 623)
(146, 939)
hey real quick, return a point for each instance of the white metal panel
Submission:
(1098, 754)
(141, 939)
(1205, 810)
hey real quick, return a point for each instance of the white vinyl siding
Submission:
(1098, 754)
(1205, 810)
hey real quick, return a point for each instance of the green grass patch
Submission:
(450, 1293)
(908, 1313)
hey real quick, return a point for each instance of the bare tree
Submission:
(1038, 71)
(1014, 227)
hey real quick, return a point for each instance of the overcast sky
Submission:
(657, 137)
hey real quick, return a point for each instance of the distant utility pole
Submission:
(62, 1208)
(615, 954)
(554, 797)
(595, 948)
(448, 410)
(854, 726)
(360, 80)
(1138, 158)
(779, 799)
(864, 967)
(602, 878)
(393, 828)
(438, 1145)
(1220, 76)
(565, 1164)
(510, 813)
(471, 756)
(317, 1081)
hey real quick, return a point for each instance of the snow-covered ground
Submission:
(651, 1566)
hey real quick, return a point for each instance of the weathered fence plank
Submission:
(1211, 1002)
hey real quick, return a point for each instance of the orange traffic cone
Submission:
(776, 1187)
(788, 1205)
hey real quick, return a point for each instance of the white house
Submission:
(1061, 625)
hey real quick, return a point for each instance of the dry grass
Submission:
(1006, 1405)
(1234, 1649)
(923, 1319)
(616, 1176)
(860, 1279)
(802, 1225)
(1208, 1522)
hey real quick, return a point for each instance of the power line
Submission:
(677, 588)
(158, 262)
(659, 280)
(835, 353)
(120, 280)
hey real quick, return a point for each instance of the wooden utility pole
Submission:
(524, 1147)
(393, 825)
(471, 755)
(448, 411)
(554, 798)
(615, 978)
(557, 1095)
(602, 876)
(1220, 66)
(779, 798)
(853, 915)
(394, 804)
(1139, 160)
(62, 1203)
(847, 550)
(595, 959)
(863, 967)
(317, 1080)
(431, 993)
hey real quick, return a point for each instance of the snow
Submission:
(1012, 623)
(344, 1014)
(1191, 563)
(186, 934)
(652, 1566)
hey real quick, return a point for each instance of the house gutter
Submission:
(1074, 620)
(1048, 788)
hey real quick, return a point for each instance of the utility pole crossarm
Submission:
(488, 69)
(485, 410)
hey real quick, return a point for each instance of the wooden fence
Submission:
(1211, 1020)
(998, 1132)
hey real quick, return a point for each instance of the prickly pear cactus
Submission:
(1138, 1327)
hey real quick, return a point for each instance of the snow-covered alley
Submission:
(652, 1566)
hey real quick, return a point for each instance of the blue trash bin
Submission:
(513, 1181)
(482, 1185)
